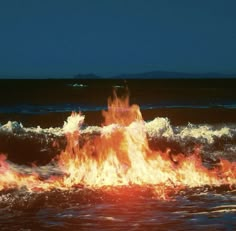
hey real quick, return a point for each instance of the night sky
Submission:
(61, 38)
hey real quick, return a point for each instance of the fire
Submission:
(120, 112)
(121, 156)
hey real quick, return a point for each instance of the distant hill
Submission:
(167, 74)
(158, 75)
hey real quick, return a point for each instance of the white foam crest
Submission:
(16, 127)
(73, 123)
(12, 126)
(91, 129)
(205, 132)
(52, 130)
(109, 129)
(159, 127)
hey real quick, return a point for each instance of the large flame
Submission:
(121, 156)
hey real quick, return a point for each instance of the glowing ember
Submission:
(121, 156)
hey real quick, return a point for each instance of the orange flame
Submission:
(120, 112)
(121, 156)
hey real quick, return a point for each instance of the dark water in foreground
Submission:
(198, 208)
(209, 106)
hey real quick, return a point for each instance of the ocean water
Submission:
(179, 116)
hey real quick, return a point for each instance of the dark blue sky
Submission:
(60, 38)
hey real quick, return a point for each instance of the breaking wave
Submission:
(215, 141)
(140, 175)
(157, 128)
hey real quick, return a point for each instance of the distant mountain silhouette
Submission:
(158, 75)
(167, 74)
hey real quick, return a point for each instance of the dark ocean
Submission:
(179, 115)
